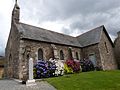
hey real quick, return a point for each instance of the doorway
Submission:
(93, 59)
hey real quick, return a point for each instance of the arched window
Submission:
(61, 55)
(52, 53)
(70, 53)
(40, 54)
(77, 57)
(106, 48)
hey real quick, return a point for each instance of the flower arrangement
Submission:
(67, 69)
(74, 65)
(43, 69)
(59, 68)
(87, 65)
(50, 68)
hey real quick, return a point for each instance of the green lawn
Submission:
(99, 80)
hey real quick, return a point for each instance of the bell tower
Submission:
(16, 13)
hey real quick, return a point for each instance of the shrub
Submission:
(87, 65)
(73, 64)
(59, 68)
(43, 69)
(67, 70)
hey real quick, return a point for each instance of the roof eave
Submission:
(104, 29)
(23, 38)
(90, 45)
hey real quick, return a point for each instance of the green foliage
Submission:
(96, 80)
(34, 72)
(67, 70)
(75, 65)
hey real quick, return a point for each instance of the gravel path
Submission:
(14, 85)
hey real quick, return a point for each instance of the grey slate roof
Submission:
(91, 37)
(40, 34)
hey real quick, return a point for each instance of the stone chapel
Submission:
(28, 41)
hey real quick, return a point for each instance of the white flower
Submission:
(60, 68)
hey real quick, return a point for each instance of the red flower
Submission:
(73, 64)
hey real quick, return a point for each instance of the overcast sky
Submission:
(72, 17)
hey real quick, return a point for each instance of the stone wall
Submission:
(106, 53)
(92, 49)
(117, 49)
(29, 48)
(12, 54)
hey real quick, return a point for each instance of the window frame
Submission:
(61, 55)
(40, 51)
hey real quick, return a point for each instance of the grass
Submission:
(99, 80)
